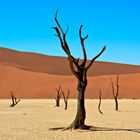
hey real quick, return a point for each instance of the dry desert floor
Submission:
(32, 119)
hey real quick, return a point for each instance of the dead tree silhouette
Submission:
(100, 100)
(66, 97)
(115, 94)
(79, 70)
(58, 96)
(14, 100)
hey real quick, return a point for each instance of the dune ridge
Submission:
(59, 65)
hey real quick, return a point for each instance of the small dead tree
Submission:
(100, 100)
(66, 97)
(58, 96)
(115, 94)
(14, 100)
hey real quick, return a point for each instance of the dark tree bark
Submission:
(115, 94)
(58, 96)
(79, 70)
(100, 100)
(66, 97)
(14, 100)
(79, 121)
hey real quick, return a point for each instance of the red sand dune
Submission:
(59, 65)
(31, 75)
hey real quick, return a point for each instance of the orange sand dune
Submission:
(31, 75)
(59, 65)
(28, 84)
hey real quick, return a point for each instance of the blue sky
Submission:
(26, 25)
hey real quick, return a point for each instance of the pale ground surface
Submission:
(31, 120)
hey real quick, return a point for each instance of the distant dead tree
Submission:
(115, 94)
(58, 96)
(66, 97)
(79, 70)
(100, 100)
(14, 100)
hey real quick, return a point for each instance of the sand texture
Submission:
(32, 119)
(28, 84)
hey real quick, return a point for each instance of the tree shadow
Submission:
(94, 128)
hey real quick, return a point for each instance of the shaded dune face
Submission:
(59, 65)
(31, 75)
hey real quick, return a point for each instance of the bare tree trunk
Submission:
(14, 100)
(116, 104)
(115, 94)
(57, 103)
(100, 99)
(58, 96)
(79, 121)
(66, 97)
(66, 105)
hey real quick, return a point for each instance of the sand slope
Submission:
(59, 65)
(28, 84)
(31, 75)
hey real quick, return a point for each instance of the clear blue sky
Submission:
(26, 25)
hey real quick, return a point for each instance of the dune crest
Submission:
(59, 65)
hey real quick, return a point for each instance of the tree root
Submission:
(94, 128)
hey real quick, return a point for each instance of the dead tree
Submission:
(58, 96)
(100, 100)
(66, 97)
(79, 70)
(14, 100)
(115, 94)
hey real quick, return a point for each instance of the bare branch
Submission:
(68, 95)
(17, 101)
(58, 90)
(91, 62)
(63, 94)
(64, 44)
(58, 96)
(75, 61)
(67, 30)
(57, 21)
(60, 38)
(72, 68)
(82, 44)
